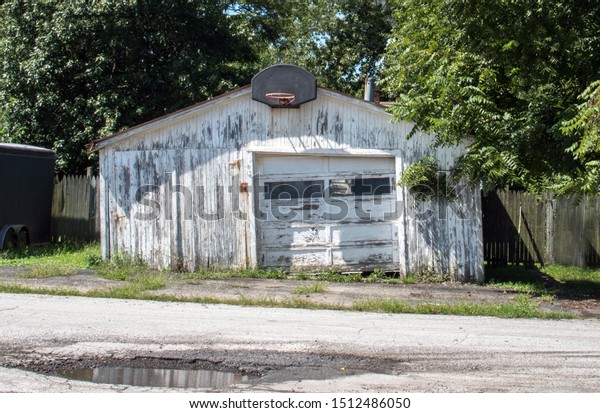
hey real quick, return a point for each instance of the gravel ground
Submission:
(292, 349)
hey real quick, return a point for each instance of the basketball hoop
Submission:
(282, 98)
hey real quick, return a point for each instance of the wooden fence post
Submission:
(549, 205)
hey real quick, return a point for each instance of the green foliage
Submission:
(137, 285)
(426, 182)
(73, 71)
(220, 273)
(341, 42)
(421, 173)
(502, 76)
(377, 275)
(3, 127)
(582, 282)
(332, 276)
(124, 268)
(426, 274)
(584, 127)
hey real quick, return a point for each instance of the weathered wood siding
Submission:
(202, 155)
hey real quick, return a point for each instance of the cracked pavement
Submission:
(292, 349)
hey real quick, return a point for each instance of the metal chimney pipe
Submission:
(370, 89)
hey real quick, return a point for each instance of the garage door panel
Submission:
(373, 209)
(363, 233)
(277, 165)
(345, 223)
(296, 258)
(288, 211)
(365, 257)
(361, 165)
(341, 210)
(289, 237)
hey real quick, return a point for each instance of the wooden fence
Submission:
(75, 209)
(521, 228)
(518, 228)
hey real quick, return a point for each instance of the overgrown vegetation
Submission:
(49, 270)
(52, 258)
(74, 71)
(135, 280)
(523, 308)
(513, 80)
(552, 280)
(314, 288)
(425, 180)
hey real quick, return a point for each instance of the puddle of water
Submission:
(134, 376)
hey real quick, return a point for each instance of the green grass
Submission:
(133, 290)
(517, 279)
(124, 269)
(570, 282)
(137, 275)
(315, 288)
(573, 274)
(324, 276)
(522, 308)
(68, 256)
(330, 276)
(23, 289)
(222, 273)
(49, 270)
(139, 282)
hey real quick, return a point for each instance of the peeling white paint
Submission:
(196, 161)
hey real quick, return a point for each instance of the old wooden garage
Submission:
(282, 173)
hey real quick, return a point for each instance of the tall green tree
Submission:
(506, 77)
(341, 42)
(73, 71)
(76, 70)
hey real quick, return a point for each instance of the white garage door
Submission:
(316, 212)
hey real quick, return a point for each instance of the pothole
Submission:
(153, 377)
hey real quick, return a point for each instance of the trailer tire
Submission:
(10, 239)
(23, 238)
(14, 236)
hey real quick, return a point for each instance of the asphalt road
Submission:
(296, 350)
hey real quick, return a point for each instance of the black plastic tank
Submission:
(26, 186)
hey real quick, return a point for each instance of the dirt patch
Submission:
(342, 294)
(585, 308)
(83, 280)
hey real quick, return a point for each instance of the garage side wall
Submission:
(171, 193)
